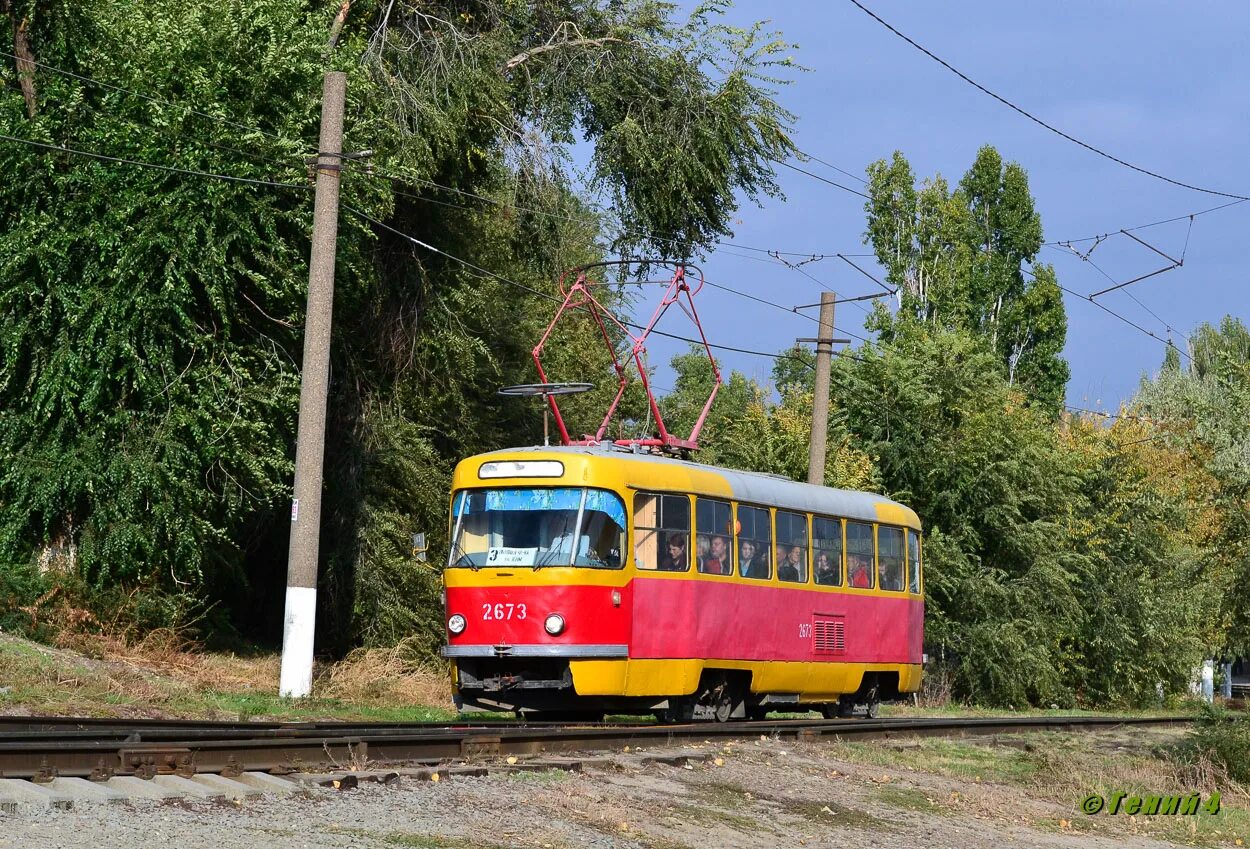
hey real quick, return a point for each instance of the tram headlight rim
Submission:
(456, 623)
(554, 624)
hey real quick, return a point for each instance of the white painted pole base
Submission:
(297, 642)
(1208, 681)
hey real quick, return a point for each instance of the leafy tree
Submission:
(150, 320)
(1203, 408)
(682, 116)
(1145, 582)
(746, 429)
(488, 101)
(987, 477)
(776, 438)
(1065, 560)
(682, 407)
(795, 369)
(958, 260)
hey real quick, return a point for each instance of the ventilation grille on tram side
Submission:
(828, 635)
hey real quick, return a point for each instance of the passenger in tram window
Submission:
(675, 560)
(891, 573)
(860, 571)
(746, 553)
(781, 555)
(794, 560)
(790, 568)
(752, 564)
(826, 571)
(701, 546)
(717, 562)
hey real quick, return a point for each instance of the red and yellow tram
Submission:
(591, 579)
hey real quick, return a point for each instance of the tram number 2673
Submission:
(503, 611)
(805, 630)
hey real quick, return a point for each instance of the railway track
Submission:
(43, 748)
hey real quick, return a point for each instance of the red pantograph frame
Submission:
(579, 297)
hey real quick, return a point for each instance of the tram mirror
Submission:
(419, 547)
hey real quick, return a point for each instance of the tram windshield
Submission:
(558, 526)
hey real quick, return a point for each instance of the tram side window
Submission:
(890, 558)
(827, 551)
(859, 555)
(754, 543)
(913, 561)
(792, 550)
(713, 544)
(662, 532)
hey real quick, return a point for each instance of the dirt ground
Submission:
(974, 793)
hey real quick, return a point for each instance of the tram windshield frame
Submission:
(535, 527)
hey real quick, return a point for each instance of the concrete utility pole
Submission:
(301, 570)
(820, 403)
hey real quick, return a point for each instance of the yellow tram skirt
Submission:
(815, 681)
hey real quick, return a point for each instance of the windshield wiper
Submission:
(566, 534)
(549, 558)
(463, 559)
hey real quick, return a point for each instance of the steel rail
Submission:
(31, 729)
(282, 749)
(13, 724)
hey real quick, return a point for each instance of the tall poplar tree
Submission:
(965, 258)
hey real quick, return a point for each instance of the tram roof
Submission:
(756, 487)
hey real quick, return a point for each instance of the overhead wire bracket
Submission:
(1175, 263)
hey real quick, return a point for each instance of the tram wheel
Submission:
(872, 703)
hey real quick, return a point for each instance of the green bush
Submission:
(1223, 738)
(45, 605)
(21, 586)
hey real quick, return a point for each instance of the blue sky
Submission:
(1162, 85)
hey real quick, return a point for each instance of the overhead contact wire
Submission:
(822, 179)
(1039, 121)
(153, 165)
(550, 297)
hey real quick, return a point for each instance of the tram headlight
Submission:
(554, 624)
(456, 623)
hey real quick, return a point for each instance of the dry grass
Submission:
(1068, 768)
(936, 689)
(385, 675)
(1068, 773)
(42, 679)
(371, 676)
(163, 675)
(1037, 779)
(164, 652)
